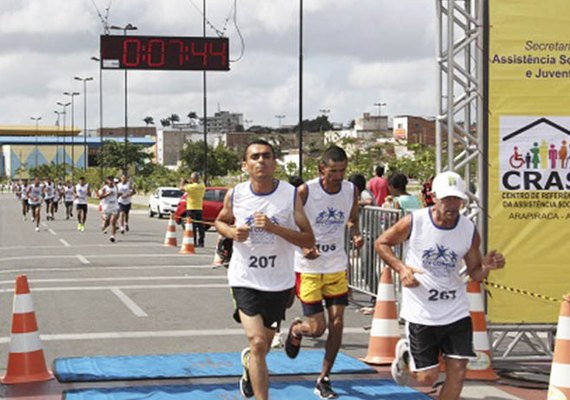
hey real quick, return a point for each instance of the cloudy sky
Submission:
(356, 53)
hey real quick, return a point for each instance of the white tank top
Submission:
(124, 188)
(35, 196)
(264, 261)
(68, 194)
(24, 192)
(49, 190)
(82, 193)
(110, 203)
(441, 297)
(328, 214)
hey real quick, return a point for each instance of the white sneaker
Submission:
(277, 341)
(37, 229)
(399, 368)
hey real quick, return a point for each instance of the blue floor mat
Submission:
(365, 389)
(171, 366)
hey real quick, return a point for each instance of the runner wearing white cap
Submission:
(434, 298)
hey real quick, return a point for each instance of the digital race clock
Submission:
(164, 53)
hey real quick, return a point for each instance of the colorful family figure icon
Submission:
(540, 155)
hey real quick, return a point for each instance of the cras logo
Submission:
(259, 235)
(439, 261)
(534, 153)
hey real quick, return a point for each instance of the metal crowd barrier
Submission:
(364, 264)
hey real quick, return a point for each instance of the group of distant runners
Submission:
(115, 201)
(289, 240)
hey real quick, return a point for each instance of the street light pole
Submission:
(72, 95)
(100, 158)
(64, 106)
(301, 88)
(380, 105)
(57, 143)
(128, 27)
(279, 118)
(85, 154)
(36, 120)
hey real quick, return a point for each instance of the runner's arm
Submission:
(478, 267)
(395, 235)
(225, 220)
(353, 221)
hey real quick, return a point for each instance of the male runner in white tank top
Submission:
(35, 193)
(434, 299)
(265, 219)
(331, 204)
(81, 202)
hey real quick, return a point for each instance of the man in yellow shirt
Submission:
(195, 195)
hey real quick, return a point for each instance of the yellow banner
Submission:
(529, 157)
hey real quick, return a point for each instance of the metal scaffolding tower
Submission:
(460, 115)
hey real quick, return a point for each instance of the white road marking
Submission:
(123, 278)
(127, 301)
(146, 245)
(139, 255)
(71, 269)
(63, 242)
(82, 259)
(84, 288)
(155, 334)
(52, 232)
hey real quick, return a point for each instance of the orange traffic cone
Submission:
(188, 239)
(559, 387)
(26, 362)
(385, 331)
(170, 238)
(481, 368)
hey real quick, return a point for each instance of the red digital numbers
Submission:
(164, 53)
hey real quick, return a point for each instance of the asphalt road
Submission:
(132, 297)
(135, 296)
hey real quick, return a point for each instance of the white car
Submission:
(164, 201)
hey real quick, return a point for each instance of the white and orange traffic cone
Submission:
(480, 368)
(26, 362)
(559, 385)
(188, 239)
(385, 331)
(170, 238)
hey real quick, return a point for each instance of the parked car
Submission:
(211, 207)
(163, 201)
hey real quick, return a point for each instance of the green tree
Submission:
(148, 120)
(165, 122)
(113, 155)
(221, 160)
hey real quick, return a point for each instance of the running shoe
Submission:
(127, 227)
(324, 390)
(277, 341)
(293, 342)
(78, 227)
(399, 367)
(245, 387)
(122, 230)
(112, 239)
(37, 229)
(82, 228)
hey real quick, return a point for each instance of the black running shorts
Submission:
(270, 305)
(427, 342)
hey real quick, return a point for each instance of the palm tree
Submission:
(165, 122)
(192, 115)
(148, 120)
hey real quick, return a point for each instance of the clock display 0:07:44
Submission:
(164, 53)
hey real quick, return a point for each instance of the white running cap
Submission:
(448, 184)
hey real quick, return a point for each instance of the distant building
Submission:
(414, 129)
(132, 131)
(224, 122)
(169, 143)
(371, 123)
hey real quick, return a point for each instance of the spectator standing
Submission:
(378, 185)
(401, 199)
(366, 198)
(194, 200)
